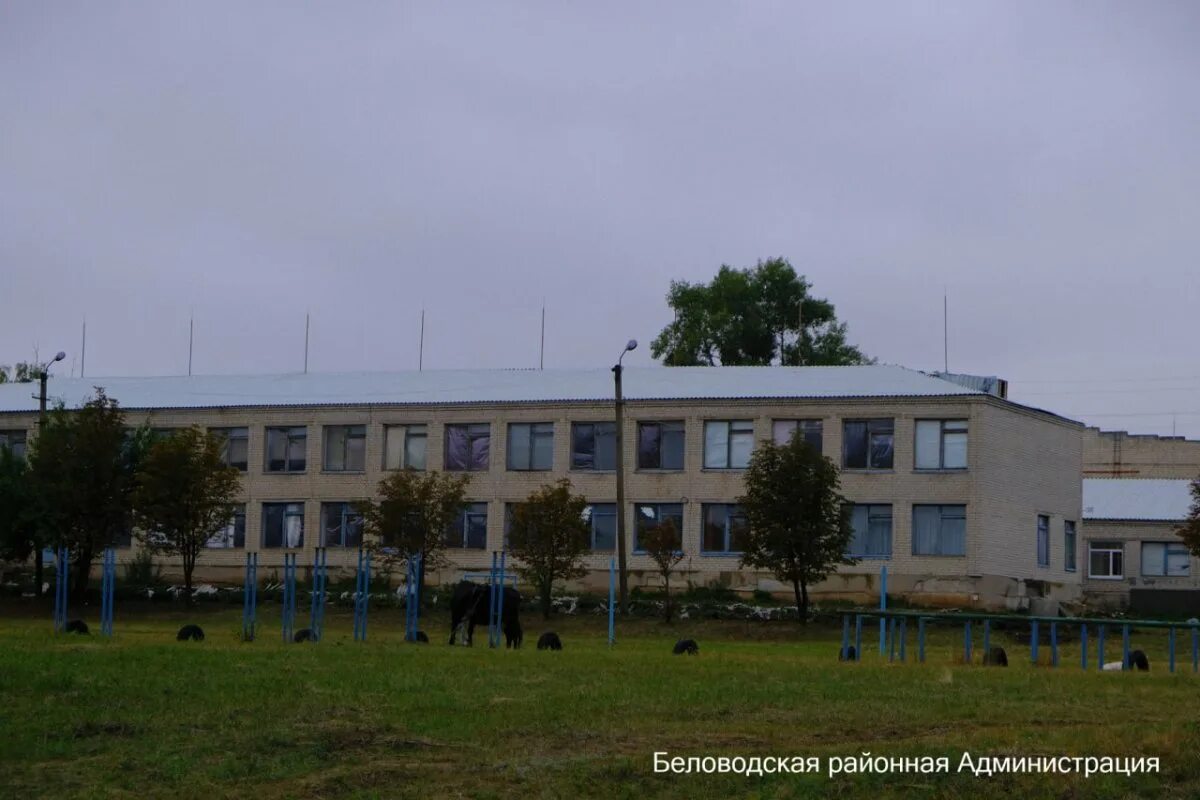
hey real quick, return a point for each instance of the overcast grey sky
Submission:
(247, 162)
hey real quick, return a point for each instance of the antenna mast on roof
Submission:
(421, 344)
(83, 349)
(191, 338)
(946, 329)
(307, 319)
(542, 353)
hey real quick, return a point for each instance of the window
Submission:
(468, 447)
(602, 518)
(404, 447)
(232, 535)
(872, 531)
(283, 525)
(594, 446)
(15, 442)
(782, 431)
(234, 445)
(1166, 560)
(660, 445)
(469, 529)
(650, 515)
(724, 528)
(867, 444)
(1106, 560)
(1069, 546)
(345, 448)
(939, 531)
(341, 525)
(530, 445)
(941, 444)
(727, 445)
(286, 449)
(1043, 540)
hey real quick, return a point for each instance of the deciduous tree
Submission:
(662, 543)
(549, 537)
(1189, 531)
(798, 521)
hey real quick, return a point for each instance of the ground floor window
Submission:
(1166, 560)
(283, 525)
(602, 520)
(233, 535)
(939, 531)
(469, 529)
(341, 525)
(650, 515)
(872, 531)
(1106, 560)
(724, 528)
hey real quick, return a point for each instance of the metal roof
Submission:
(488, 386)
(1147, 499)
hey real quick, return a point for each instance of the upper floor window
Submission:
(1166, 560)
(469, 529)
(468, 447)
(283, 525)
(650, 515)
(15, 442)
(1043, 540)
(939, 531)
(1106, 560)
(235, 446)
(724, 528)
(660, 445)
(872, 525)
(341, 525)
(404, 447)
(602, 519)
(1069, 545)
(233, 535)
(941, 444)
(867, 443)
(594, 446)
(530, 445)
(286, 449)
(782, 431)
(727, 444)
(345, 448)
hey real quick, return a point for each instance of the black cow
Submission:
(996, 657)
(77, 626)
(471, 604)
(190, 632)
(549, 641)
(687, 646)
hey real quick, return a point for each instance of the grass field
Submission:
(145, 716)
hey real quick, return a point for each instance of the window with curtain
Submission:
(283, 525)
(594, 446)
(341, 525)
(939, 530)
(468, 447)
(286, 449)
(234, 446)
(724, 528)
(649, 515)
(868, 443)
(1166, 560)
(530, 446)
(404, 447)
(469, 529)
(941, 444)
(345, 448)
(872, 525)
(782, 431)
(233, 535)
(728, 443)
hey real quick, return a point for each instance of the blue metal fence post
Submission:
(882, 607)
(1195, 649)
(1033, 642)
(1171, 648)
(108, 581)
(858, 637)
(412, 597)
(1083, 659)
(921, 639)
(362, 594)
(612, 601)
(903, 638)
(1054, 644)
(62, 581)
(987, 639)
(492, 600)
(319, 576)
(892, 639)
(967, 642)
(250, 598)
(1100, 634)
(289, 595)
(1124, 647)
(845, 636)
(500, 601)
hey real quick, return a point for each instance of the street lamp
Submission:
(44, 373)
(620, 432)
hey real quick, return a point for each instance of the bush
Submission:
(142, 572)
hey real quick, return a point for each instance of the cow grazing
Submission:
(77, 626)
(471, 604)
(1137, 660)
(996, 657)
(190, 633)
(303, 635)
(850, 654)
(688, 646)
(549, 641)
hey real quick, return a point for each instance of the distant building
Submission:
(968, 498)
(1117, 454)
(1134, 556)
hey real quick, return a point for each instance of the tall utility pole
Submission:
(44, 374)
(622, 567)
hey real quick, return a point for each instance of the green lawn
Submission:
(143, 715)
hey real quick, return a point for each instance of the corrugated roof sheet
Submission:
(1149, 499)
(488, 386)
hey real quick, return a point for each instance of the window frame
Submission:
(285, 505)
(658, 519)
(746, 429)
(1043, 541)
(1070, 546)
(408, 430)
(288, 432)
(463, 522)
(576, 427)
(534, 434)
(591, 513)
(886, 427)
(9, 441)
(891, 537)
(348, 513)
(1111, 548)
(1178, 547)
(474, 431)
(227, 435)
(727, 533)
(805, 424)
(662, 425)
(942, 517)
(965, 430)
(239, 514)
(350, 433)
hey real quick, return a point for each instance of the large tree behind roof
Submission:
(758, 316)
(1189, 531)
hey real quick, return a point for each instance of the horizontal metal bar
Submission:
(960, 618)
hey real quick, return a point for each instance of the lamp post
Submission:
(623, 572)
(43, 374)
